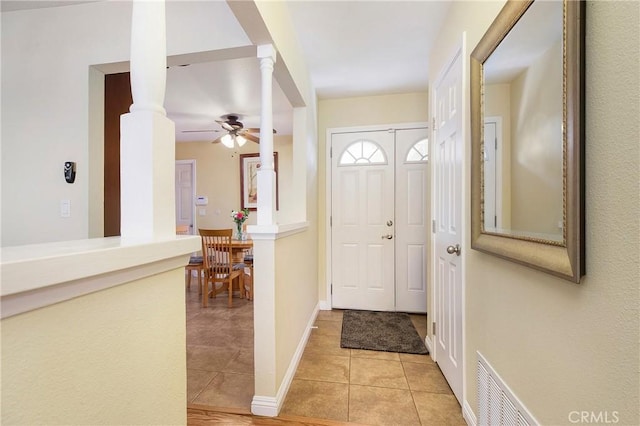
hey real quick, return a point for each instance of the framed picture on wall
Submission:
(249, 166)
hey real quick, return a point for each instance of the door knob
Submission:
(454, 249)
(388, 236)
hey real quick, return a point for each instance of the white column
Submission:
(266, 174)
(147, 141)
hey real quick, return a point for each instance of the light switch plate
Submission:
(65, 208)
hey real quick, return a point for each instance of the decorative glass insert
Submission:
(419, 152)
(362, 152)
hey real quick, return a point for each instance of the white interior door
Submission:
(412, 219)
(185, 193)
(448, 146)
(492, 156)
(362, 246)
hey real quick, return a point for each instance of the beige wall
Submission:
(351, 112)
(218, 177)
(296, 295)
(559, 346)
(536, 146)
(117, 356)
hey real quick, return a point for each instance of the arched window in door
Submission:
(362, 152)
(419, 152)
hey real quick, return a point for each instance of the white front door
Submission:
(380, 219)
(362, 249)
(185, 198)
(448, 155)
(412, 219)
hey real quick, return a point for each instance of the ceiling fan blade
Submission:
(225, 125)
(200, 131)
(257, 130)
(217, 140)
(250, 137)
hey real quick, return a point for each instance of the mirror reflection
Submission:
(523, 128)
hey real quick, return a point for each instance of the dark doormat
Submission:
(381, 331)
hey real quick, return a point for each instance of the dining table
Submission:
(239, 248)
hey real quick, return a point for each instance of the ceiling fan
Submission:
(235, 131)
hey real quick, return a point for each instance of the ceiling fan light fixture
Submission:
(241, 140)
(227, 140)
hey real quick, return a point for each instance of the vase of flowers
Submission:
(239, 216)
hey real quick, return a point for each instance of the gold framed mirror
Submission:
(527, 133)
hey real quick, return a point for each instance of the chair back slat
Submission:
(216, 249)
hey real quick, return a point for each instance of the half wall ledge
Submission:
(274, 232)
(38, 275)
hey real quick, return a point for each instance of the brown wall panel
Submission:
(117, 100)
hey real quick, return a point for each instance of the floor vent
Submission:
(497, 405)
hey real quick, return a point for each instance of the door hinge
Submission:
(331, 152)
(330, 221)
(433, 226)
(433, 123)
(495, 221)
(496, 143)
(331, 288)
(433, 328)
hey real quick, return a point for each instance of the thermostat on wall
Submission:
(202, 201)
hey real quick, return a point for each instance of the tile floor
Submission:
(366, 387)
(219, 352)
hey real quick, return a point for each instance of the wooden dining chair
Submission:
(218, 264)
(196, 264)
(248, 283)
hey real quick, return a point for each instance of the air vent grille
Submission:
(497, 405)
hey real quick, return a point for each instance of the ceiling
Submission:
(352, 48)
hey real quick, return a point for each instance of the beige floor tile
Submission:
(209, 358)
(325, 344)
(381, 406)
(228, 390)
(420, 324)
(322, 400)
(361, 353)
(211, 318)
(326, 368)
(223, 336)
(333, 315)
(425, 377)
(377, 372)
(242, 363)
(420, 359)
(328, 327)
(435, 409)
(199, 336)
(196, 381)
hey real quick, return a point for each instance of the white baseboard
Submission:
(428, 344)
(270, 406)
(468, 415)
(324, 305)
(264, 406)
